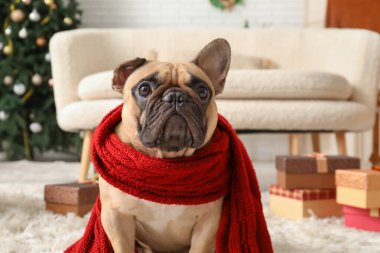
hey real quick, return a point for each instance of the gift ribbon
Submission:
(376, 167)
(374, 213)
(321, 162)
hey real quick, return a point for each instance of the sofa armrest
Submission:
(352, 53)
(367, 83)
(78, 53)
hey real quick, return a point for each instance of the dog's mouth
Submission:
(171, 129)
(175, 135)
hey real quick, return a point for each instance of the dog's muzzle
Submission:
(181, 122)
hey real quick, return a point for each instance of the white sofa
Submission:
(321, 80)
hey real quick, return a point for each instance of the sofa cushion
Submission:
(247, 84)
(239, 61)
(97, 86)
(285, 84)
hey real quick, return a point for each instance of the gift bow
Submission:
(321, 162)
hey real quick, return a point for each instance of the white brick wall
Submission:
(190, 13)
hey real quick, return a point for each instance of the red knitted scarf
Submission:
(222, 168)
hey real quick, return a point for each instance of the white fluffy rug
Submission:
(26, 227)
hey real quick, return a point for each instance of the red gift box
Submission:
(303, 194)
(366, 219)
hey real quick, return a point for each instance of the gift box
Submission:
(366, 219)
(358, 188)
(302, 203)
(311, 172)
(73, 197)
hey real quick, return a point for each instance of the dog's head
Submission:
(171, 107)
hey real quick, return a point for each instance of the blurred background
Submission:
(26, 86)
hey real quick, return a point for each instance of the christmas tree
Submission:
(27, 112)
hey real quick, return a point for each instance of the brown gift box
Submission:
(310, 172)
(73, 197)
(358, 188)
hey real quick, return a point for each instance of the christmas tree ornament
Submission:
(23, 33)
(228, 3)
(1, 45)
(47, 57)
(68, 21)
(8, 31)
(32, 116)
(37, 79)
(49, 2)
(27, 2)
(41, 41)
(19, 89)
(225, 4)
(3, 116)
(8, 80)
(34, 16)
(51, 82)
(17, 15)
(7, 50)
(35, 127)
(78, 16)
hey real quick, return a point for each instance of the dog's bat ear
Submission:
(214, 59)
(121, 73)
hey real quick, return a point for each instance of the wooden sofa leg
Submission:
(375, 157)
(294, 144)
(316, 142)
(341, 142)
(85, 158)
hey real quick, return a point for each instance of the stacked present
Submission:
(359, 193)
(77, 198)
(300, 203)
(306, 185)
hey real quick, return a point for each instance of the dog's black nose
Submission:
(176, 98)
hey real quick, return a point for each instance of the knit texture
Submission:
(222, 168)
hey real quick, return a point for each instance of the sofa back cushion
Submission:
(247, 84)
(285, 84)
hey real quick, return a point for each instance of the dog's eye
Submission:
(145, 90)
(203, 92)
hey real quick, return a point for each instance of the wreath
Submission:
(225, 4)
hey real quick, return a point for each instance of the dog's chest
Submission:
(155, 222)
(161, 216)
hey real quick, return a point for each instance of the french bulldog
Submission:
(169, 111)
